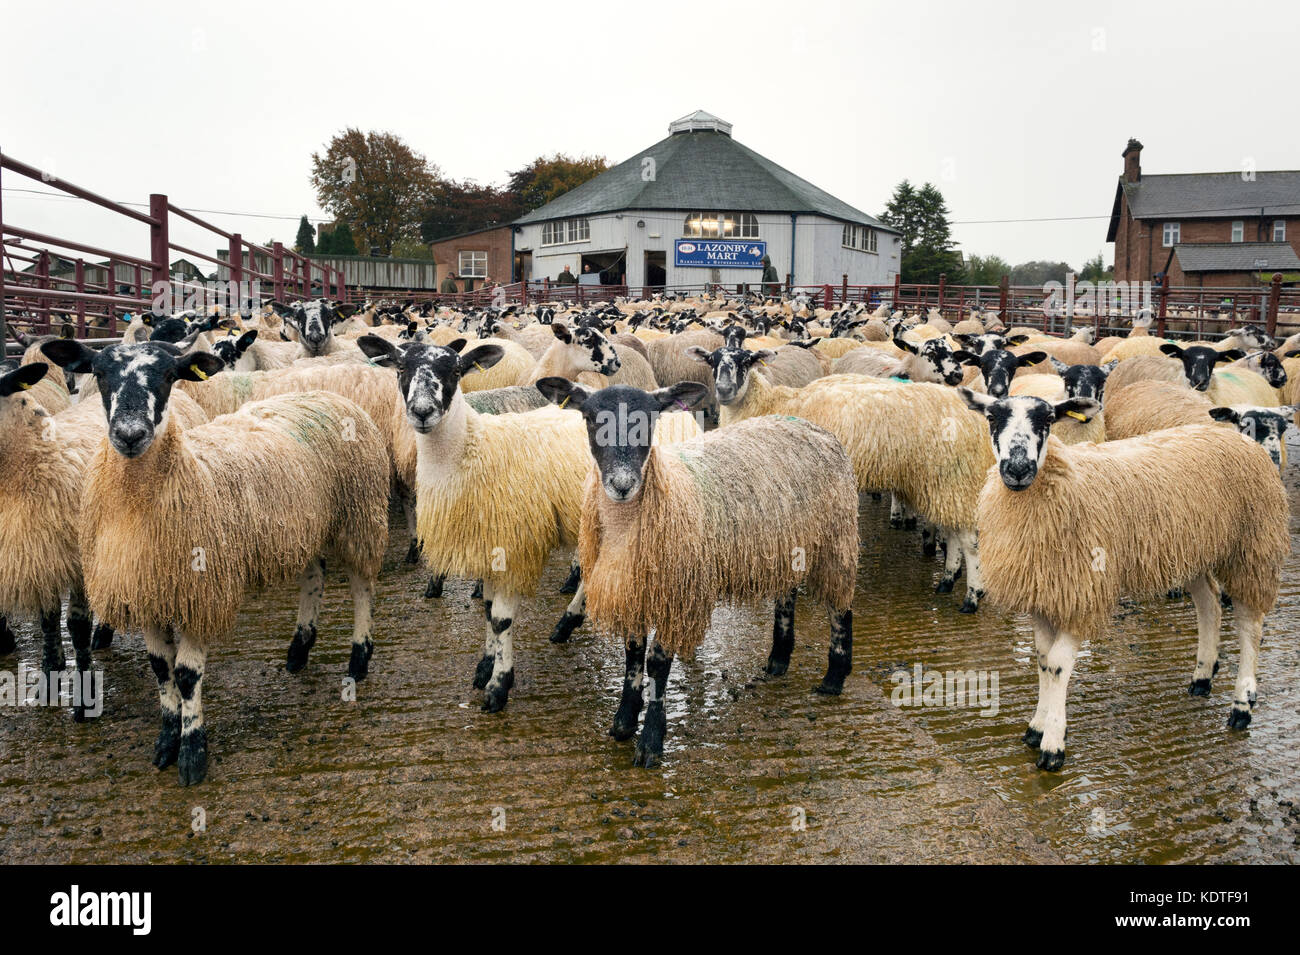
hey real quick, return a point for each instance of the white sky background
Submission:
(1015, 110)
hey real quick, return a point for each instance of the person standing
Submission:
(448, 285)
(566, 278)
(771, 281)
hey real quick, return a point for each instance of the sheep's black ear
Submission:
(346, 311)
(1232, 354)
(905, 344)
(284, 311)
(974, 400)
(379, 350)
(1225, 414)
(804, 343)
(699, 354)
(562, 392)
(682, 396)
(561, 331)
(481, 358)
(1292, 353)
(1058, 366)
(199, 366)
(965, 357)
(1033, 358)
(245, 340)
(1017, 340)
(1081, 409)
(68, 331)
(70, 354)
(1169, 348)
(22, 378)
(456, 344)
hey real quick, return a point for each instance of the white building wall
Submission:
(819, 255)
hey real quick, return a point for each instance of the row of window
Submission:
(472, 265)
(566, 230)
(721, 225)
(859, 237)
(1173, 230)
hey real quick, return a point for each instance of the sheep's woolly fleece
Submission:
(916, 439)
(1147, 406)
(43, 467)
(233, 488)
(715, 519)
(1106, 520)
(514, 368)
(1241, 386)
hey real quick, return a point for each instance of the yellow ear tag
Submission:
(565, 401)
(24, 386)
(199, 371)
(1077, 416)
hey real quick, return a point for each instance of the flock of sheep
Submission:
(684, 453)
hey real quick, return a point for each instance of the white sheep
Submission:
(1065, 531)
(227, 515)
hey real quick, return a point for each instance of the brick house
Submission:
(483, 256)
(1214, 229)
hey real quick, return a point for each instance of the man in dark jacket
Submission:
(771, 281)
(566, 278)
(448, 285)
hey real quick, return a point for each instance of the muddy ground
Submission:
(755, 769)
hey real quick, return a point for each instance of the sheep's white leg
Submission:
(1209, 617)
(161, 646)
(778, 660)
(363, 647)
(1043, 636)
(497, 693)
(839, 659)
(951, 564)
(629, 706)
(79, 631)
(574, 614)
(1060, 664)
(1250, 630)
(311, 585)
(650, 745)
(483, 672)
(970, 554)
(407, 497)
(192, 757)
(896, 510)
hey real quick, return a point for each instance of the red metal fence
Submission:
(45, 276)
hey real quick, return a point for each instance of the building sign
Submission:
(718, 254)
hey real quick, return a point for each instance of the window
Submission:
(473, 265)
(567, 230)
(720, 225)
(1238, 230)
(859, 237)
(1279, 230)
(1171, 234)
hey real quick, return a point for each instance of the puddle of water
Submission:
(755, 769)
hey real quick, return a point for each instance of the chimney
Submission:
(1132, 161)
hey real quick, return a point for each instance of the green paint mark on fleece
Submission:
(311, 425)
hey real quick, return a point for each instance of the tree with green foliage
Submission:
(412, 249)
(1095, 270)
(547, 178)
(921, 215)
(458, 207)
(1040, 272)
(305, 243)
(337, 241)
(986, 269)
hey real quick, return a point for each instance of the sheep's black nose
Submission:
(129, 436)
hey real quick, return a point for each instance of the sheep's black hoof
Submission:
(497, 695)
(832, 684)
(168, 745)
(909, 523)
(483, 672)
(945, 585)
(8, 642)
(1033, 738)
(650, 744)
(413, 551)
(570, 585)
(103, 638)
(1175, 593)
(929, 548)
(776, 667)
(624, 726)
(1051, 760)
(875, 495)
(1199, 688)
(303, 640)
(895, 522)
(1238, 719)
(433, 589)
(1225, 601)
(564, 629)
(359, 664)
(968, 605)
(192, 758)
(478, 591)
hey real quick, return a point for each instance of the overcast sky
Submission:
(1015, 110)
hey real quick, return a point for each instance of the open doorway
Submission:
(603, 268)
(523, 270)
(656, 269)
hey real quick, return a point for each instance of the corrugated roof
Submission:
(1218, 195)
(1236, 256)
(701, 170)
